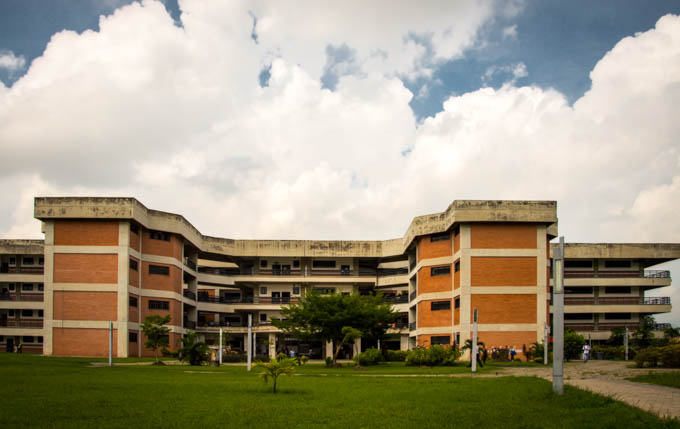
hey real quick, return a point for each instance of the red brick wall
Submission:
(85, 268)
(503, 236)
(171, 282)
(505, 308)
(428, 249)
(133, 276)
(85, 233)
(133, 312)
(503, 271)
(172, 248)
(509, 338)
(428, 284)
(428, 318)
(70, 305)
(175, 310)
(82, 342)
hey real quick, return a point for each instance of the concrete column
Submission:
(272, 345)
(403, 342)
(246, 346)
(357, 346)
(329, 349)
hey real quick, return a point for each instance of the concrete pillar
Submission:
(403, 342)
(272, 345)
(246, 346)
(357, 346)
(329, 349)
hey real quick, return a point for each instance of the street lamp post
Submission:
(558, 318)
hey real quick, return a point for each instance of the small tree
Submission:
(643, 336)
(671, 332)
(193, 351)
(156, 333)
(616, 338)
(573, 344)
(275, 368)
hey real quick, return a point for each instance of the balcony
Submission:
(665, 300)
(385, 272)
(412, 326)
(22, 270)
(647, 274)
(189, 324)
(247, 300)
(32, 297)
(398, 299)
(189, 294)
(412, 296)
(34, 324)
(189, 263)
(298, 272)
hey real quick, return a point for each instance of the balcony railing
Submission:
(412, 296)
(412, 326)
(23, 270)
(21, 324)
(247, 300)
(665, 274)
(398, 299)
(189, 324)
(363, 272)
(189, 294)
(189, 263)
(228, 324)
(385, 272)
(34, 297)
(601, 326)
(665, 300)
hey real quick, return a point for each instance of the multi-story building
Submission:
(114, 260)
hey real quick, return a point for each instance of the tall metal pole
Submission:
(250, 340)
(546, 343)
(625, 342)
(110, 343)
(220, 351)
(558, 318)
(474, 340)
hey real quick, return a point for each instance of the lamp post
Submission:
(558, 318)
(546, 339)
(250, 340)
(474, 340)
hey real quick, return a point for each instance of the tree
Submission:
(350, 336)
(573, 344)
(275, 368)
(642, 338)
(156, 333)
(322, 318)
(193, 351)
(671, 332)
(616, 338)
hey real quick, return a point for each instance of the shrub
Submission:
(500, 355)
(304, 359)
(432, 356)
(573, 344)
(396, 355)
(329, 361)
(670, 356)
(369, 357)
(612, 352)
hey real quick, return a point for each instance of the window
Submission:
(159, 235)
(617, 289)
(41, 287)
(296, 290)
(616, 316)
(132, 337)
(263, 290)
(159, 305)
(296, 264)
(27, 287)
(41, 313)
(132, 301)
(617, 263)
(443, 340)
(578, 316)
(325, 290)
(133, 265)
(440, 271)
(28, 261)
(456, 303)
(27, 339)
(11, 286)
(576, 289)
(442, 236)
(134, 229)
(578, 263)
(456, 230)
(157, 269)
(41, 261)
(26, 313)
(11, 312)
(2, 339)
(263, 263)
(40, 340)
(323, 264)
(457, 266)
(12, 260)
(263, 317)
(440, 305)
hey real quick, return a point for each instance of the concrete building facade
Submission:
(113, 259)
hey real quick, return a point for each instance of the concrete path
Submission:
(608, 378)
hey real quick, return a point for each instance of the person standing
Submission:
(586, 352)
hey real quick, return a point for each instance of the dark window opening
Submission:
(296, 264)
(577, 289)
(159, 305)
(456, 303)
(157, 269)
(134, 229)
(323, 264)
(440, 271)
(296, 290)
(578, 263)
(578, 316)
(442, 236)
(440, 305)
(132, 301)
(457, 266)
(28, 261)
(615, 263)
(159, 235)
(442, 340)
(133, 265)
(132, 337)
(617, 289)
(263, 291)
(26, 313)
(263, 317)
(616, 316)
(263, 263)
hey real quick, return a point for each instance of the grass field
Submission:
(42, 392)
(670, 379)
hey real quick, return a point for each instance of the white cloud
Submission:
(510, 32)
(10, 62)
(176, 117)
(511, 71)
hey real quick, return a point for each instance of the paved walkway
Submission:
(608, 378)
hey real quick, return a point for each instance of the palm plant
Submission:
(192, 350)
(275, 368)
(468, 345)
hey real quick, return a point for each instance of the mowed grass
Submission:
(43, 392)
(670, 379)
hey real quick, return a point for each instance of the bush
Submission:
(369, 357)
(432, 356)
(396, 355)
(612, 352)
(573, 344)
(329, 361)
(304, 359)
(668, 357)
(500, 355)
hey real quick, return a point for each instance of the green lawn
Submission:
(670, 379)
(42, 392)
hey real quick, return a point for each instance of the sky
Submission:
(344, 120)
